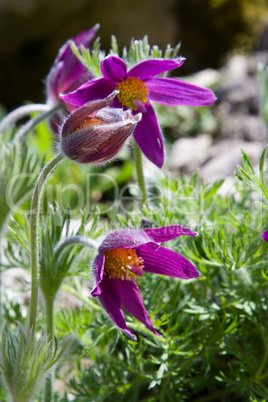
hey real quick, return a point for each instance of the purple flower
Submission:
(123, 257)
(265, 235)
(67, 73)
(137, 88)
(95, 132)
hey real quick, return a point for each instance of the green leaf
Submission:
(246, 162)
(261, 165)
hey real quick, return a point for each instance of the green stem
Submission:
(49, 306)
(21, 112)
(265, 355)
(139, 172)
(34, 231)
(34, 122)
(1, 312)
(48, 388)
(83, 241)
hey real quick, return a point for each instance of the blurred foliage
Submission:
(18, 173)
(219, 27)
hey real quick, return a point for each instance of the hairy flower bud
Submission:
(95, 132)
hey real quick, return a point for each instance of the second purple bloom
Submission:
(123, 257)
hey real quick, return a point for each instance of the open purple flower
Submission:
(137, 88)
(123, 257)
(265, 235)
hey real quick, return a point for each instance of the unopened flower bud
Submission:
(95, 132)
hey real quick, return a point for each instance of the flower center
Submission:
(121, 263)
(89, 122)
(132, 91)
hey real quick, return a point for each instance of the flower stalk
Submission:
(48, 111)
(34, 230)
(140, 173)
(79, 240)
(21, 112)
(49, 308)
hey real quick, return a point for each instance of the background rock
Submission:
(189, 152)
(224, 158)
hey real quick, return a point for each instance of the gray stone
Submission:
(189, 152)
(226, 156)
(15, 283)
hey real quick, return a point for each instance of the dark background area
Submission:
(32, 31)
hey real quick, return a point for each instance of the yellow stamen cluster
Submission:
(121, 263)
(89, 122)
(131, 90)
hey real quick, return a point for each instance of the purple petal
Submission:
(83, 38)
(149, 137)
(165, 233)
(130, 298)
(114, 68)
(162, 261)
(67, 72)
(52, 82)
(175, 92)
(97, 273)
(265, 235)
(150, 68)
(82, 76)
(110, 302)
(72, 72)
(124, 239)
(92, 90)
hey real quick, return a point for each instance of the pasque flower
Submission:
(124, 255)
(67, 72)
(137, 88)
(265, 235)
(95, 132)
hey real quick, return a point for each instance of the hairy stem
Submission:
(21, 112)
(139, 172)
(1, 312)
(83, 241)
(34, 231)
(49, 306)
(34, 122)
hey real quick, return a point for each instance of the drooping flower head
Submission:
(265, 235)
(137, 88)
(67, 73)
(125, 255)
(95, 132)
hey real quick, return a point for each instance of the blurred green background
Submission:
(31, 32)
